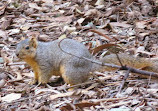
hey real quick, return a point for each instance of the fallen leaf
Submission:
(140, 24)
(14, 31)
(39, 91)
(100, 2)
(80, 105)
(92, 12)
(115, 47)
(3, 34)
(119, 24)
(52, 97)
(66, 19)
(79, 21)
(69, 29)
(6, 24)
(35, 6)
(100, 33)
(2, 8)
(2, 83)
(11, 97)
(19, 76)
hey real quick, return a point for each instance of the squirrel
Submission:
(47, 59)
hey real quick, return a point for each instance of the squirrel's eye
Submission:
(27, 47)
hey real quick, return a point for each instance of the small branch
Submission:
(133, 70)
(124, 80)
(119, 59)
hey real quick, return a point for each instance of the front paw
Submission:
(32, 82)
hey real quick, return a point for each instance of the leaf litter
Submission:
(126, 25)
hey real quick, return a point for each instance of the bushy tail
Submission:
(131, 61)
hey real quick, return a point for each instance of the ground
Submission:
(128, 26)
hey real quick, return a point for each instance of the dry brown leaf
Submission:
(141, 24)
(67, 19)
(3, 34)
(92, 12)
(52, 97)
(100, 33)
(6, 24)
(2, 8)
(118, 24)
(110, 11)
(35, 6)
(106, 46)
(80, 105)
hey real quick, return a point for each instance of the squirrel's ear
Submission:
(33, 42)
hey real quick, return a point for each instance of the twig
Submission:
(119, 59)
(124, 80)
(133, 70)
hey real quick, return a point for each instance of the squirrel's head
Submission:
(26, 49)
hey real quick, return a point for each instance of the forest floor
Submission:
(128, 26)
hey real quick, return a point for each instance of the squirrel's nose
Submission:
(17, 55)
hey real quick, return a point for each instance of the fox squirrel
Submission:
(47, 59)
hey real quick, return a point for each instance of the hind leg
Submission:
(74, 75)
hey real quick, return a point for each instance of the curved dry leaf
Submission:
(110, 47)
(101, 34)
